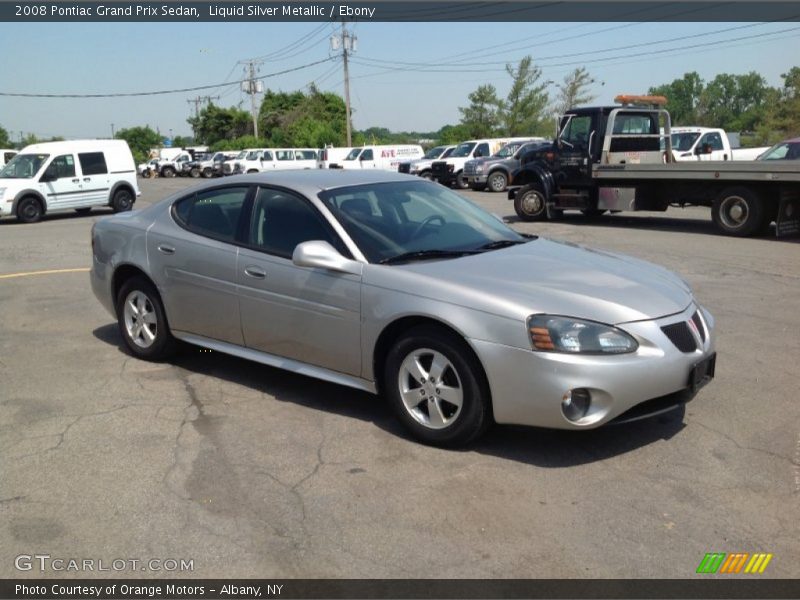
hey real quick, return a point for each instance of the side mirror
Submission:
(321, 255)
(50, 174)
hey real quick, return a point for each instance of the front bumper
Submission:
(528, 386)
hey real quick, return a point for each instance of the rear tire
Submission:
(738, 211)
(122, 201)
(194, 173)
(142, 321)
(426, 175)
(453, 406)
(208, 172)
(529, 203)
(29, 210)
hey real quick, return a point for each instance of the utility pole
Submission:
(252, 86)
(348, 44)
(112, 131)
(196, 101)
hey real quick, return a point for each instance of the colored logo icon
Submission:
(734, 563)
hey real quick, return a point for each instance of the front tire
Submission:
(497, 182)
(738, 211)
(437, 387)
(529, 203)
(426, 175)
(461, 181)
(208, 172)
(29, 210)
(122, 201)
(168, 172)
(142, 321)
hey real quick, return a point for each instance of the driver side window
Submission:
(64, 166)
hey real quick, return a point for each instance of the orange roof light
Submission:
(630, 99)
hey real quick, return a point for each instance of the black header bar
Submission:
(395, 11)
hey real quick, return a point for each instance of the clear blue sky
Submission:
(86, 58)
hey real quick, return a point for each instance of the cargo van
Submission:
(332, 156)
(387, 158)
(256, 160)
(73, 175)
(6, 154)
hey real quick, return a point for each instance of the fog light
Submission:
(575, 403)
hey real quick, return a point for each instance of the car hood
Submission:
(544, 276)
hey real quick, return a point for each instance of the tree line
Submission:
(313, 119)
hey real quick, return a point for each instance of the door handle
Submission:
(255, 273)
(165, 249)
(76, 180)
(87, 178)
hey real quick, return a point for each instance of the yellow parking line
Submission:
(48, 272)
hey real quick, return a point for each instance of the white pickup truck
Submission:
(706, 143)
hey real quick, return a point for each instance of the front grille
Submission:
(404, 168)
(699, 324)
(469, 169)
(681, 335)
(439, 168)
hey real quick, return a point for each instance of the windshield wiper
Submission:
(496, 245)
(425, 254)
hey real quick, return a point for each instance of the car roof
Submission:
(312, 181)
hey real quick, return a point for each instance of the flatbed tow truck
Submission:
(619, 158)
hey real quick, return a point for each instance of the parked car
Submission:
(148, 169)
(494, 172)
(74, 175)
(450, 171)
(422, 166)
(785, 150)
(391, 284)
(271, 159)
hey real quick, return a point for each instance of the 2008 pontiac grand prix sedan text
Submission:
(391, 284)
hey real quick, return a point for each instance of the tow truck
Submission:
(619, 158)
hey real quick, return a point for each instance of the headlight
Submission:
(575, 336)
(479, 168)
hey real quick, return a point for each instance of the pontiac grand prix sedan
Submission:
(398, 286)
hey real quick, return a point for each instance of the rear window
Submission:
(93, 163)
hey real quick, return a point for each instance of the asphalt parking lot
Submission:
(253, 472)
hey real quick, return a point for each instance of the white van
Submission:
(77, 175)
(331, 155)
(257, 160)
(387, 158)
(6, 154)
(451, 171)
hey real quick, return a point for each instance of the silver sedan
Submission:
(399, 286)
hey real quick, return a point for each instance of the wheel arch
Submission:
(125, 272)
(397, 328)
(534, 173)
(29, 193)
(121, 185)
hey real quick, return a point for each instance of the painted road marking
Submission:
(48, 272)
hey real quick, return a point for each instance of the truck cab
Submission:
(559, 177)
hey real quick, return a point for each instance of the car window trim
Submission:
(341, 247)
(240, 229)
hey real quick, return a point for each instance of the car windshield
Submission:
(463, 149)
(23, 166)
(434, 152)
(353, 154)
(418, 219)
(684, 141)
(242, 154)
(253, 155)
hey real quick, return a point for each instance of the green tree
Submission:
(452, 134)
(215, 124)
(683, 98)
(524, 111)
(302, 120)
(734, 102)
(5, 141)
(141, 140)
(574, 91)
(482, 117)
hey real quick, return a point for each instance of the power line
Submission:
(163, 92)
